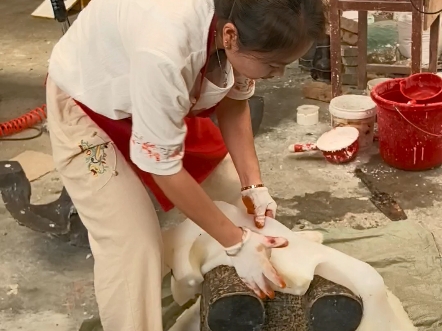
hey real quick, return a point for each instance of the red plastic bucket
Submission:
(410, 135)
(422, 88)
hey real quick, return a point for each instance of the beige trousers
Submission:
(115, 207)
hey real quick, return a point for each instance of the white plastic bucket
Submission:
(358, 111)
(404, 38)
(372, 83)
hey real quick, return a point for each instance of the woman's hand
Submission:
(259, 203)
(251, 257)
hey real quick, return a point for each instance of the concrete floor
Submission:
(48, 285)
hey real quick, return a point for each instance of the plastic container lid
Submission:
(352, 107)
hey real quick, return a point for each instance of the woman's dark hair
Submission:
(270, 25)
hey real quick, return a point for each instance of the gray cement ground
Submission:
(47, 285)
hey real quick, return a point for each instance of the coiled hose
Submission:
(26, 121)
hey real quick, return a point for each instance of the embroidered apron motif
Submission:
(95, 157)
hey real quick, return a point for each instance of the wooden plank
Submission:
(392, 69)
(376, 5)
(362, 49)
(335, 48)
(416, 38)
(434, 43)
(45, 9)
(321, 91)
(431, 6)
(35, 164)
(389, 69)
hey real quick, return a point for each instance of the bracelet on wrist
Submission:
(251, 186)
(235, 249)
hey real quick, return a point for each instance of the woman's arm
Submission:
(160, 100)
(236, 127)
(191, 199)
(247, 250)
(235, 124)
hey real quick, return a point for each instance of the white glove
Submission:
(259, 203)
(251, 257)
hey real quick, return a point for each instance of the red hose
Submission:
(23, 122)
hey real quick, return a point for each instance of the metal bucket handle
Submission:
(415, 126)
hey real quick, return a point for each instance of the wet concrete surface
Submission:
(281, 101)
(46, 284)
(411, 189)
(326, 208)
